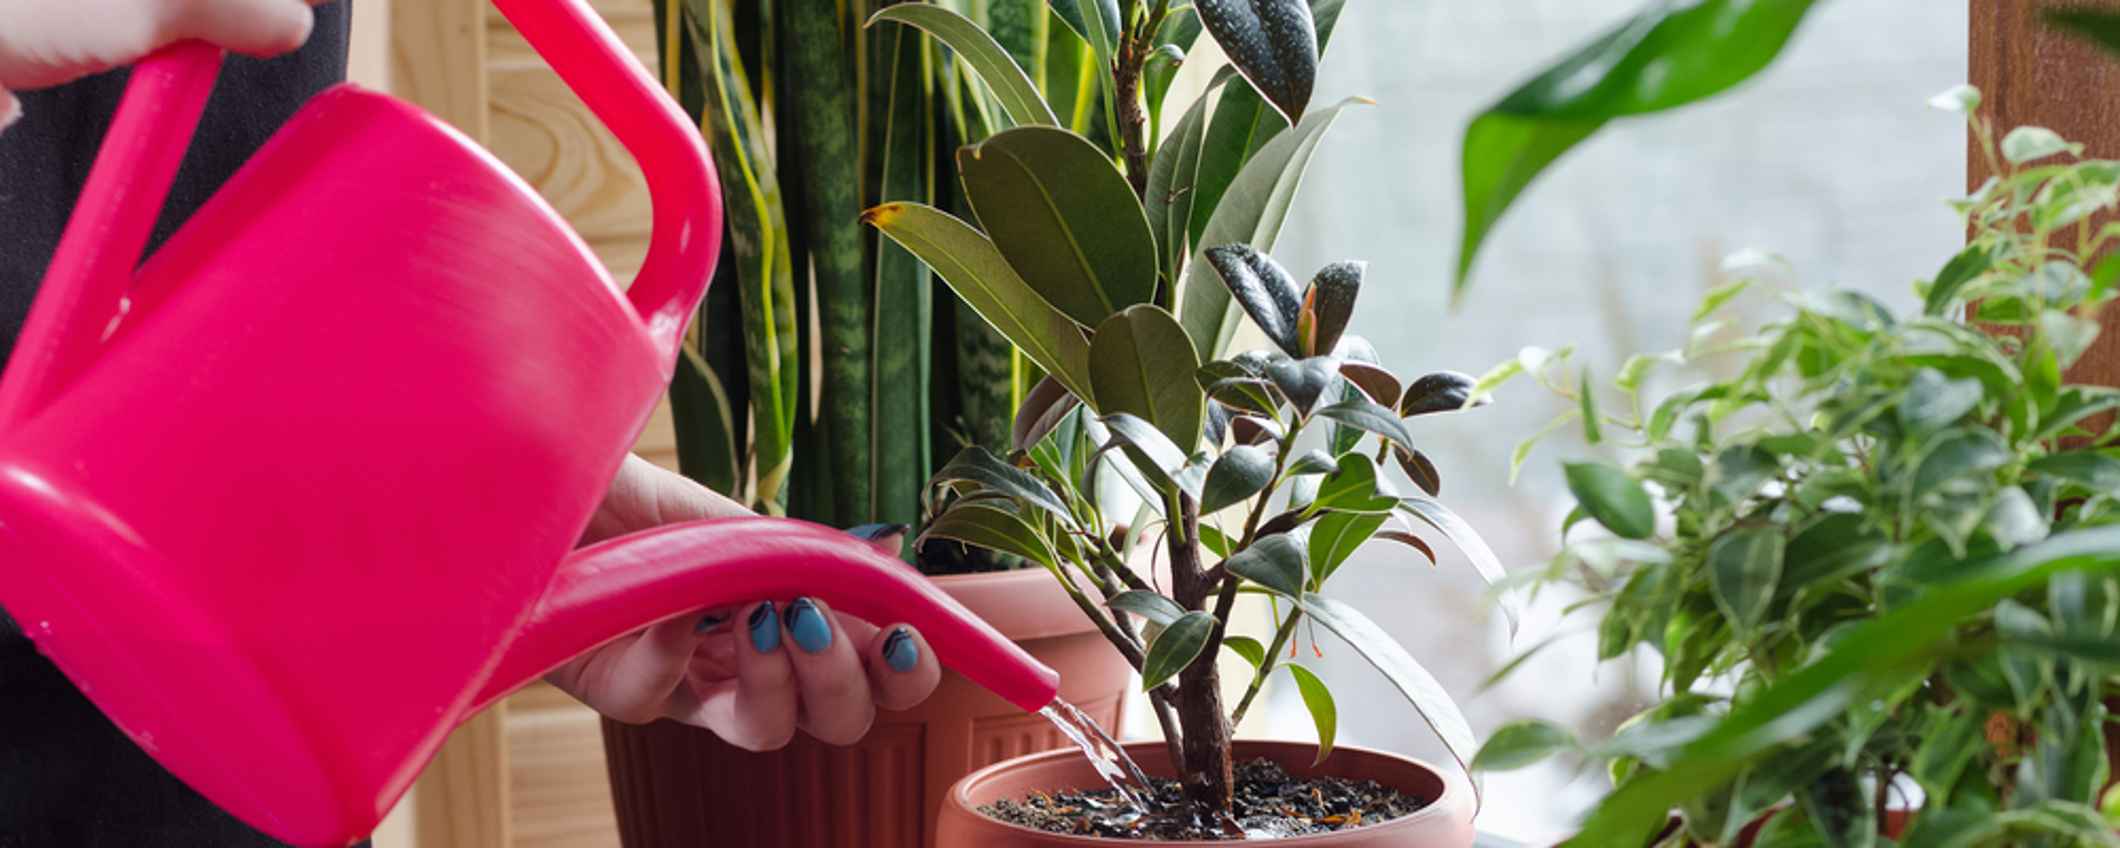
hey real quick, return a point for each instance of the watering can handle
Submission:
(612, 588)
(85, 287)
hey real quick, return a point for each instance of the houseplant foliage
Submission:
(1885, 553)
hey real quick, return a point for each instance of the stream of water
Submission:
(1125, 776)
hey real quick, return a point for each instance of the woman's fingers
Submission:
(888, 538)
(756, 710)
(902, 671)
(837, 706)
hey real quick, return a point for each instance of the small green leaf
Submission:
(1303, 381)
(1521, 743)
(1065, 217)
(1156, 608)
(1175, 648)
(1744, 566)
(2025, 144)
(1352, 487)
(1327, 307)
(1240, 473)
(1934, 401)
(1613, 498)
(1318, 699)
(1246, 647)
(2092, 471)
(1140, 362)
(1719, 297)
(979, 465)
(1959, 98)
(1593, 433)
(1962, 269)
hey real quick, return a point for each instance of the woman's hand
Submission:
(48, 42)
(752, 674)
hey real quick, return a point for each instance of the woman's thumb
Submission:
(252, 27)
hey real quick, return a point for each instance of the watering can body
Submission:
(292, 497)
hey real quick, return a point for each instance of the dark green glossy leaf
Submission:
(979, 465)
(1156, 608)
(1044, 407)
(1327, 307)
(1175, 648)
(1251, 213)
(1318, 700)
(1303, 381)
(1352, 487)
(1666, 56)
(1265, 290)
(1246, 647)
(1065, 217)
(1414, 682)
(977, 272)
(1241, 472)
(1521, 743)
(1613, 498)
(1363, 414)
(1273, 43)
(1275, 562)
(1312, 462)
(1141, 363)
(1421, 470)
(984, 525)
(1335, 537)
(1442, 391)
(1168, 201)
(1154, 454)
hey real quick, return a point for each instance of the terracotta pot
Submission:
(1446, 823)
(675, 785)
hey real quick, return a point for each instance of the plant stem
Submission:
(1209, 772)
(1266, 667)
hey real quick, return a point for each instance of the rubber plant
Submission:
(1883, 556)
(1117, 255)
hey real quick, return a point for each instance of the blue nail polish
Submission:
(709, 622)
(765, 628)
(872, 532)
(812, 633)
(900, 651)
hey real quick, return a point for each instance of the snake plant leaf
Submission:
(1175, 648)
(1666, 56)
(704, 424)
(901, 164)
(1870, 658)
(1238, 474)
(1250, 213)
(758, 233)
(1010, 83)
(977, 272)
(1273, 43)
(1265, 290)
(1327, 307)
(1065, 217)
(1140, 362)
(1442, 391)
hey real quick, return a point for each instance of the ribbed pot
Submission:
(1445, 823)
(675, 785)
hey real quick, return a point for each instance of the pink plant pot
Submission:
(1445, 823)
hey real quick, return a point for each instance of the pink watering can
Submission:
(296, 495)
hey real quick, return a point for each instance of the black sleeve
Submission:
(45, 156)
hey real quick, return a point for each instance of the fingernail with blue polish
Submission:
(900, 651)
(765, 628)
(872, 532)
(709, 622)
(812, 633)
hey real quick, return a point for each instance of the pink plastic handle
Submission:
(84, 289)
(617, 586)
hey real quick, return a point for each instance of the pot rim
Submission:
(1456, 797)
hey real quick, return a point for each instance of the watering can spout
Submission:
(607, 590)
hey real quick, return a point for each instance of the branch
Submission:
(1266, 667)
